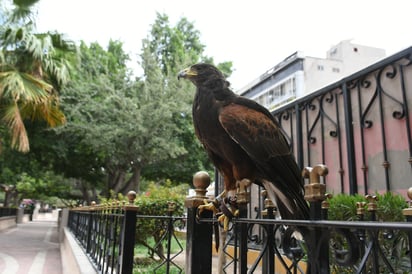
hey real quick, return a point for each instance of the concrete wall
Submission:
(74, 259)
(7, 222)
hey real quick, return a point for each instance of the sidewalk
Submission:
(31, 248)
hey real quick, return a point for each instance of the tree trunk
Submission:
(115, 181)
(134, 181)
(85, 192)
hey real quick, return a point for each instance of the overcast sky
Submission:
(254, 35)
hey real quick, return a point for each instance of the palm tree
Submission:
(33, 67)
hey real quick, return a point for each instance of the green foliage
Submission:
(343, 207)
(156, 201)
(390, 205)
(33, 68)
(118, 127)
(389, 209)
(41, 188)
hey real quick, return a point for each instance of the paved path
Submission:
(31, 248)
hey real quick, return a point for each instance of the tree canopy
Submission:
(120, 127)
(32, 70)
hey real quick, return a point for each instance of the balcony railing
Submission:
(359, 127)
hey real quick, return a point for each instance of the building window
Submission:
(337, 70)
(320, 67)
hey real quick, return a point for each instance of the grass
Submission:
(144, 263)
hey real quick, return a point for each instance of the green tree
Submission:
(125, 123)
(172, 48)
(33, 67)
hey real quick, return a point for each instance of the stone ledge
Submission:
(74, 259)
(7, 222)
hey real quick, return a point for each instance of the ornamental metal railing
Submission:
(359, 126)
(272, 245)
(8, 211)
(107, 233)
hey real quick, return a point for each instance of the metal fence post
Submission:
(128, 237)
(243, 198)
(198, 235)
(318, 252)
(407, 212)
(350, 143)
(268, 260)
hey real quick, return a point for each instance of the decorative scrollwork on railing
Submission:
(286, 116)
(344, 247)
(397, 114)
(322, 115)
(389, 72)
(293, 244)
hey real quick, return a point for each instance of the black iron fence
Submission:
(109, 235)
(360, 127)
(270, 245)
(251, 245)
(8, 211)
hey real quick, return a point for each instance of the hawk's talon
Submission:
(208, 205)
(224, 208)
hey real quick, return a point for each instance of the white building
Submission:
(298, 75)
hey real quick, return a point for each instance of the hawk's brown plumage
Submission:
(243, 140)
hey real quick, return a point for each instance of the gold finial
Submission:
(372, 206)
(408, 211)
(360, 208)
(409, 193)
(243, 196)
(201, 180)
(171, 206)
(131, 196)
(315, 190)
(325, 203)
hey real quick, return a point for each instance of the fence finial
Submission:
(315, 190)
(408, 211)
(201, 180)
(243, 196)
(131, 196)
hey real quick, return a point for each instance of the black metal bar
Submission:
(407, 118)
(309, 139)
(362, 139)
(268, 265)
(299, 138)
(169, 240)
(89, 232)
(339, 136)
(324, 224)
(350, 144)
(385, 163)
(409, 219)
(198, 243)
(243, 235)
(128, 240)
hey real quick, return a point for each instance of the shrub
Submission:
(389, 209)
(155, 202)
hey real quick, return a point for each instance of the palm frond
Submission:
(47, 111)
(14, 121)
(19, 86)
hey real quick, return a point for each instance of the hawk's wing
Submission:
(259, 136)
(254, 131)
